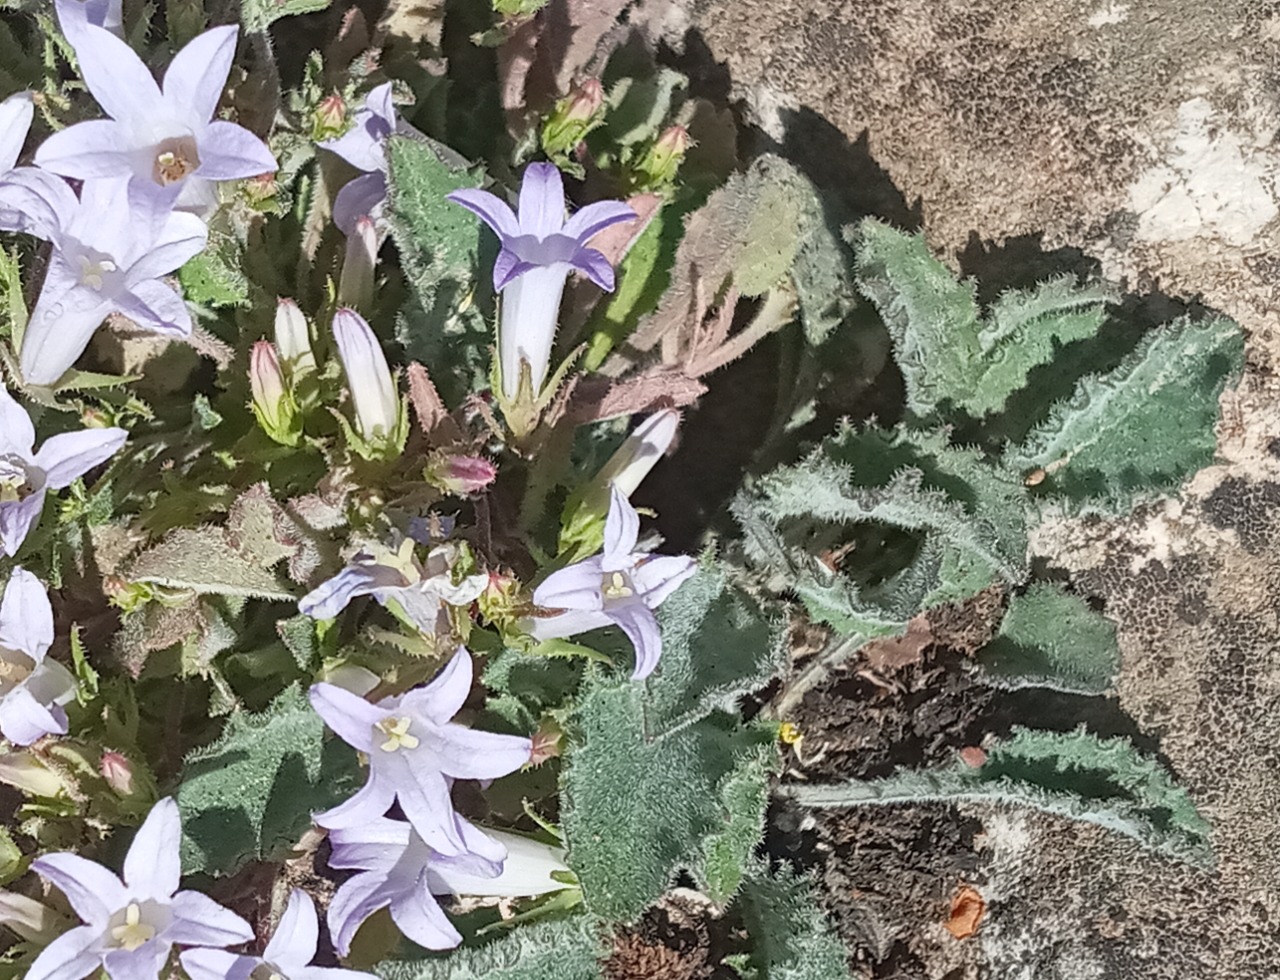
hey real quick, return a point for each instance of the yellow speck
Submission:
(789, 734)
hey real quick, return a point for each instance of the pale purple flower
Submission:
(414, 755)
(421, 589)
(16, 113)
(75, 14)
(399, 869)
(619, 587)
(165, 139)
(363, 146)
(380, 419)
(539, 250)
(26, 475)
(131, 925)
(640, 452)
(288, 955)
(32, 687)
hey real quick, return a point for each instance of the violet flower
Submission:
(165, 139)
(539, 250)
(75, 14)
(619, 587)
(32, 688)
(26, 475)
(131, 925)
(414, 755)
(16, 113)
(287, 955)
(420, 589)
(362, 146)
(398, 869)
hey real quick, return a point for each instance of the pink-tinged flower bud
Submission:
(586, 98)
(118, 772)
(579, 112)
(293, 340)
(380, 420)
(460, 475)
(660, 164)
(359, 267)
(261, 188)
(273, 404)
(547, 741)
(330, 118)
(95, 418)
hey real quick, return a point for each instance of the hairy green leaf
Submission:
(790, 937)
(567, 949)
(204, 561)
(258, 15)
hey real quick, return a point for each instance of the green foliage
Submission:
(258, 15)
(952, 356)
(567, 949)
(1075, 775)
(203, 561)
(1142, 428)
(1050, 638)
(962, 517)
(692, 773)
(790, 937)
(250, 795)
(214, 278)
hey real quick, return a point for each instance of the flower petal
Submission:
(36, 202)
(333, 595)
(595, 267)
(621, 530)
(566, 624)
(376, 844)
(577, 586)
(98, 148)
(151, 868)
(641, 626)
(657, 576)
(362, 197)
(490, 209)
(152, 305)
(541, 209)
(508, 267)
(116, 77)
(200, 921)
(73, 454)
(143, 963)
(230, 152)
(180, 237)
(17, 519)
(427, 805)
(467, 753)
(67, 957)
(527, 871)
(26, 618)
(350, 716)
(16, 113)
(357, 899)
(296, 937)
(218, 964)
(60, 327)
(93, 891)
(197, 75)
(23, 719)
(441, 699)
(420, 917)
(370, 802)
(17, 434)
(587, 222)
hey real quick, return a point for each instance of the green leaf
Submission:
(790, 937)
(203, 561)
(674, 747)
(251, 794)
(949, 354)
(13, 312)
(566, 949)
(214, 278)
(1075, 775)
(639, 106)
(258, 15)
(1142, 428)
(1050, 638)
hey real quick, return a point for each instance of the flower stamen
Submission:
(134, 932)
(615, 586)
(397, 732)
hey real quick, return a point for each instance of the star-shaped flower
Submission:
(539, 250)
(619, 587)
(363, 146)
(165, 139)
(288, 955)
(32, 688)
(415, 753)
(26, 475)
(131, 925)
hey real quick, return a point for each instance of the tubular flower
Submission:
(32, 688)
(287, 955)
(381, 423)
(362, 146)
(398, 869)
(164, 138)
(415, 753)
(131, 925)
(26, 475)
(539, 250)
(619, 587)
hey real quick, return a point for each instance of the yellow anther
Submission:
(134, 932)
(397, 732)
(616, 587)
(93, 274)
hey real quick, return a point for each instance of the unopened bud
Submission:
(330, 118)
(118, 772)
(355, 287)
(95, 418)
(293, 340)
(547, 741)
(381, 425)
(579, 112)
(260, 189)
(460, 475)
(273, 404)
(661, 163)
(24, 771)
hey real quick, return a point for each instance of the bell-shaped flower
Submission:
(293, 340)
(288, 955)
(16, 113)
(131, 925)
(539, 250)
(421, 590)
(363, 146)
(33, 688)
(104, 261)
(619, 587)
(165, 138)
(415, 753)
(381, 420)
(26, 475)
(398, 869)
(75, 14)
